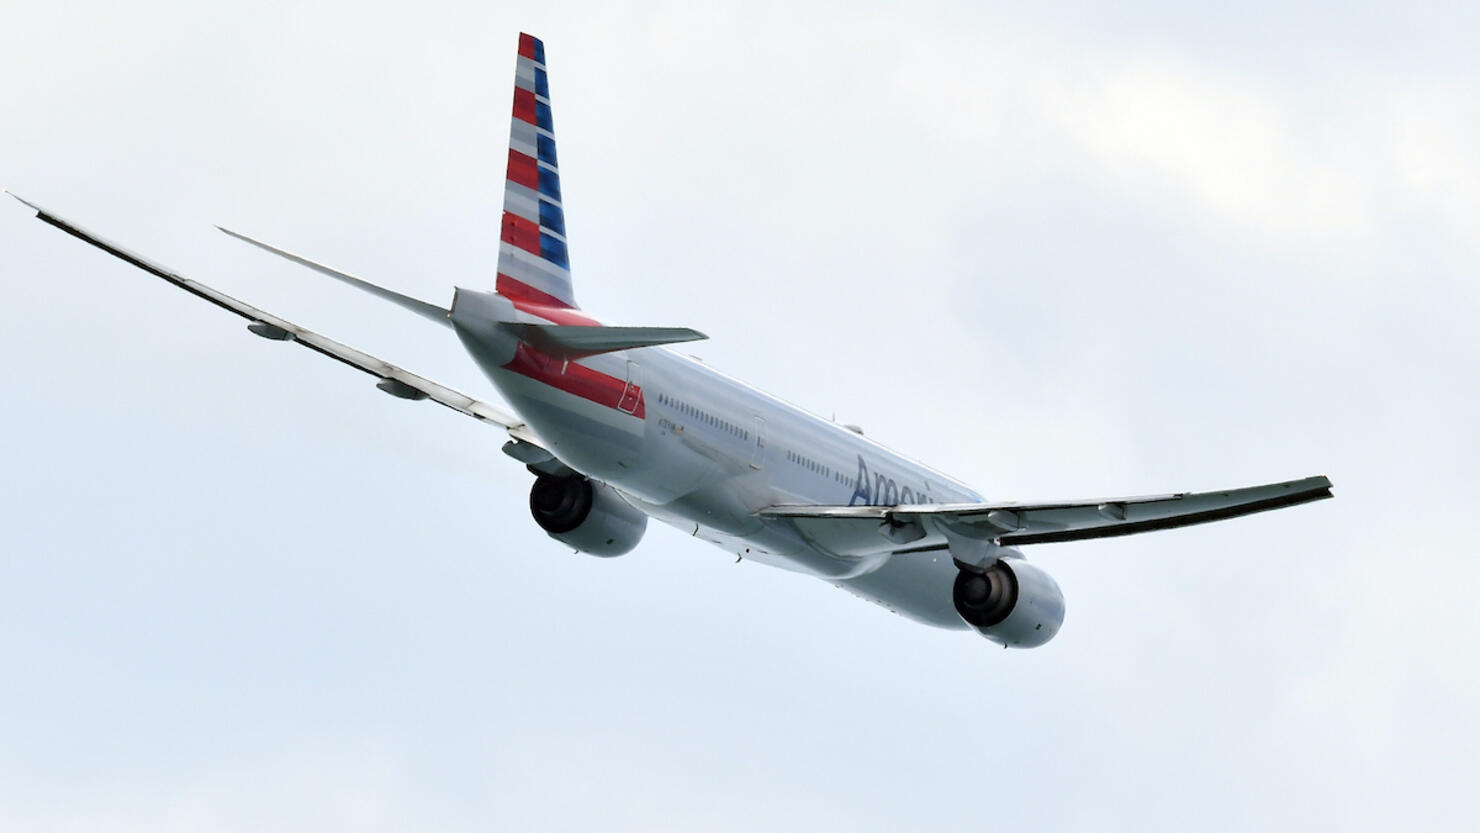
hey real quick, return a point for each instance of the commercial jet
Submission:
(617, 427)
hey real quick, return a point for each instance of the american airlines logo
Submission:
(883, 491)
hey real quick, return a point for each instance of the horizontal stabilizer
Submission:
(574, 342)
(394, 380)
(422, 308)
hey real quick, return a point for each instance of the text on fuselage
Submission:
(881, 490)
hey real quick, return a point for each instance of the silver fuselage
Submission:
(704, 452)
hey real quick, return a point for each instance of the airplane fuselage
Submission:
(705, 452)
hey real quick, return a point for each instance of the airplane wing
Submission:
(524, 445)
(859, 529)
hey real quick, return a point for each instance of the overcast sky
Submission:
(1059, 253)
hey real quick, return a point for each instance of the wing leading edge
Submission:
(1008, 524)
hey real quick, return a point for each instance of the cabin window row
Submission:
(704, 416)
(812, 465)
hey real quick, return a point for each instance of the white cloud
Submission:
(1436, 150)
(1221, 145)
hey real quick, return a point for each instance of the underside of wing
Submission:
(524, 445)
(858, 529)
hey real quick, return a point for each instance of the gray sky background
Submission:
(1061, 252)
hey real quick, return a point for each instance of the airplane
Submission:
(618, 427)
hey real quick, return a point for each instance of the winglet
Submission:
(422, 308)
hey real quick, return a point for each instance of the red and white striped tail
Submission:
(533, 262)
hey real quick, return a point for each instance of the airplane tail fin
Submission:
(533, 262)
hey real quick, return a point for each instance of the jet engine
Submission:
(586, 515)
(1011, 603)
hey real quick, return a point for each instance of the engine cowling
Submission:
(1012, 603)
(586, 515)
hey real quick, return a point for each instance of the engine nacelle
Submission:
(1012, 603)
(586, 515)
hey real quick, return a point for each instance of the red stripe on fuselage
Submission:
(577, 379)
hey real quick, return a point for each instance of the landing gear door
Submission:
(758, 444)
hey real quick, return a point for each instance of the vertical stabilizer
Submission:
(533, 262)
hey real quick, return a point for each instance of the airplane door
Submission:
(758, 444)
(632, 394)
